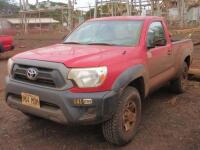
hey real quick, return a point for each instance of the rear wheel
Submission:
(179, 85)
(121, 129)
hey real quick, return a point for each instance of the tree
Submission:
(8, 7)
(117, 9)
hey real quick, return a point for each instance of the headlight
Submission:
(88, 77)
(10, 65)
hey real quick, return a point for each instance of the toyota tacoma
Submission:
(100, 74)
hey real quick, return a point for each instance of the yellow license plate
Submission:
(30, 100)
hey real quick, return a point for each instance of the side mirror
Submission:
(150, 40)
(156, 42)
(150, 46)
(160, 42)
(63, 38)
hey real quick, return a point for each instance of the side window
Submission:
(156, 35)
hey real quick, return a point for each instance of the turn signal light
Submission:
(85, 101)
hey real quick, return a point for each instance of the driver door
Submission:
(159, 50)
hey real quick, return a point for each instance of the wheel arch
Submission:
(188, 60)
(139, 85)
(136, 77)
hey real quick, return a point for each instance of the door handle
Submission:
(169, 51)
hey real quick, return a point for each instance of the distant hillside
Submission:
(46, 4)
(56, 14)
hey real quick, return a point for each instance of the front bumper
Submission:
(58, 105)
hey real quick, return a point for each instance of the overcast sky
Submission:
(80, 3)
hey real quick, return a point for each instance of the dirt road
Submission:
(169, 122)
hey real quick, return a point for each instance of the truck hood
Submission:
(73, 55)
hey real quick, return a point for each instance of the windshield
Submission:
(122, 33)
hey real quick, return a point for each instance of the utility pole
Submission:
(90, 10)
(37, 4)
(70, 24)
(20, 5)
(27, 5)
(113, 8)
(158, 7)
(152, 7)
(140, 4)
(24, 20)
(131, 7)
(95, 9)
(21, 14)
(182, 12)
(101, 11)
(128, 7)
(23, 5)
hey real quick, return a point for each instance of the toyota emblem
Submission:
(32, 73)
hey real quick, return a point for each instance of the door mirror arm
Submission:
(150, 47)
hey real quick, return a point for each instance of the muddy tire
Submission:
(121, 129)
(178, 85)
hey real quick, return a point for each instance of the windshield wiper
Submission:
(109, 44)
(71, 43)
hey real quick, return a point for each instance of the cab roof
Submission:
(128, 18)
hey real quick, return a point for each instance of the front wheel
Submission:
(121, 129)
(179, 85)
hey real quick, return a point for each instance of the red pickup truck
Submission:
(6, 43)
(100, 74)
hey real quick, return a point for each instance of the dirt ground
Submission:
(169, 122)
